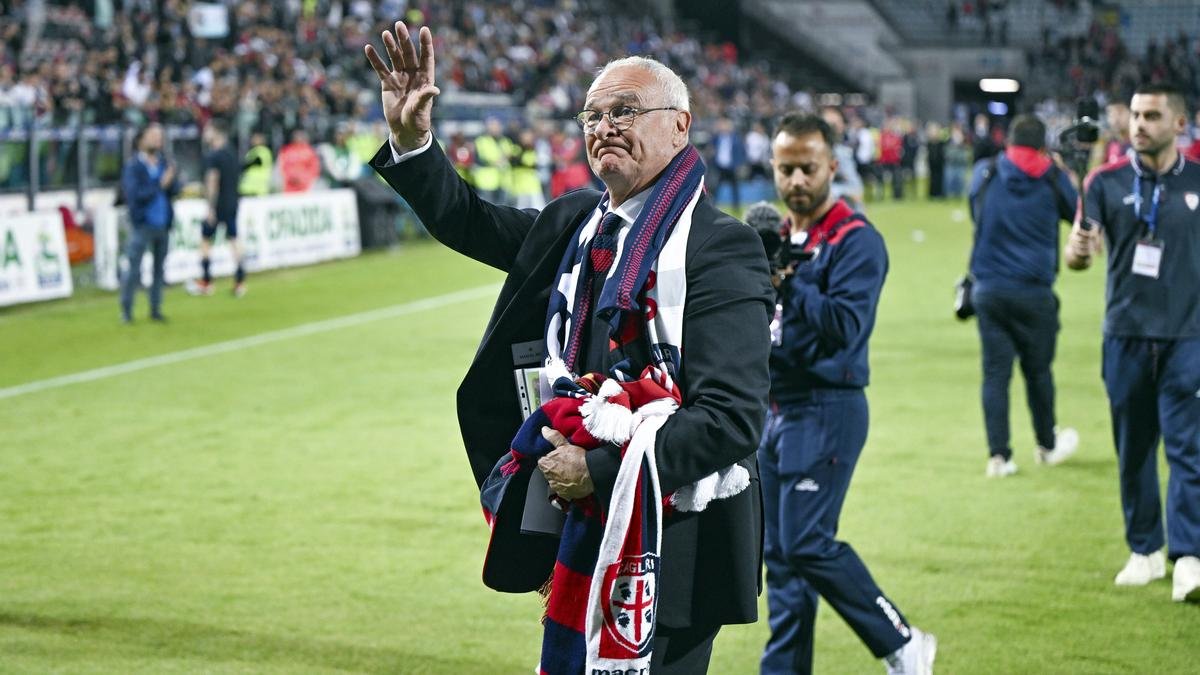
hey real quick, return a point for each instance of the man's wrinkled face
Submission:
(804, 169)
(635, 155)
(1153, 124)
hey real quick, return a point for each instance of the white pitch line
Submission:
(251, 341)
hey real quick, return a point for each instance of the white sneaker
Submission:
(198, 287)
(1185, 585)
(1142, 569)
(1066, 442)
(915, 657)
(998, 467)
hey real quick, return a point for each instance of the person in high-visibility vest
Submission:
(256, 167)
(492, 152)
(526, 185)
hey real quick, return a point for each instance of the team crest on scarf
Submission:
(630, 602)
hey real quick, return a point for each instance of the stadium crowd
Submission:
(278, 67)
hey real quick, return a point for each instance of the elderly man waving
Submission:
(646, 283)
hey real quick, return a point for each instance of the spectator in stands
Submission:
(758, 153)
(341, 166)
(864, 152)
(958, 158)
(149, 182)
(1193, 150)
(910, 146)
(462, 154)
(983, 144)
(256, 167)
(636, 126)
(729, 156)
(846, 182)
(935, 158)
(299, 166)
(526, 185)
(1116, 121)
(891, 155)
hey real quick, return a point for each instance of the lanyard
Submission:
(1151, 218)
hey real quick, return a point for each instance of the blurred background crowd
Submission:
(77, 77)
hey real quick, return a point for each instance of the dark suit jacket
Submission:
(710, 560)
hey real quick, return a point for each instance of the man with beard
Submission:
(817, 422)
(1148, 205)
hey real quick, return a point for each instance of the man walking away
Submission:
(1017, 201)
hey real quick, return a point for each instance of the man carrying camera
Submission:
(1147, 205)
(1017, 201)
(829, 281)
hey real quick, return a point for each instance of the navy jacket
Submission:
(1016, 221)
(827, 308)
(140, 190)
(1141, 306)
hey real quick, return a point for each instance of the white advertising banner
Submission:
(274, 231)
(33, 258)
(208, 20)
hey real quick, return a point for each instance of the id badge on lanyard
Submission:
(1147, 256)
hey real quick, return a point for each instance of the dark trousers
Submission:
(806, 460)
(682, 651)
(728, 175)
(1022, 325)
(142, 239)
(1154, 391)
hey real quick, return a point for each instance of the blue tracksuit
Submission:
(814, 433)
(1152, 344)
(1014, 262)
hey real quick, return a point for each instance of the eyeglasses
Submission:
(621, 117)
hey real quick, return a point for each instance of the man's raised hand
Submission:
(407, 86)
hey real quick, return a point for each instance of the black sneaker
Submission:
(158, 316)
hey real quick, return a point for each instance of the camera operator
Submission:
(1147, 206)
(1017, 200)
(832, 271)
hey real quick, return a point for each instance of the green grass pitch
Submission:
(303, 504)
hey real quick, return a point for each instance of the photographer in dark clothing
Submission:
(817, 423)
(1017, 200)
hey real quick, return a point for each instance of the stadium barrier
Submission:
(33, 258)
(283, 230)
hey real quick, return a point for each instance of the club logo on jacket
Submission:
(630, 598)
(807, 485)
(1192, 200)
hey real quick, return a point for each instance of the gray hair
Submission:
(672, 85)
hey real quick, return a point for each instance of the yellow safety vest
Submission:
(491, 167)
(525, 180)
(256, 180)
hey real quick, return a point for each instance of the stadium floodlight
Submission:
(999, 85)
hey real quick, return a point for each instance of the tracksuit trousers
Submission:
(1022, 325)
(806, 460)
(1154, 391)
